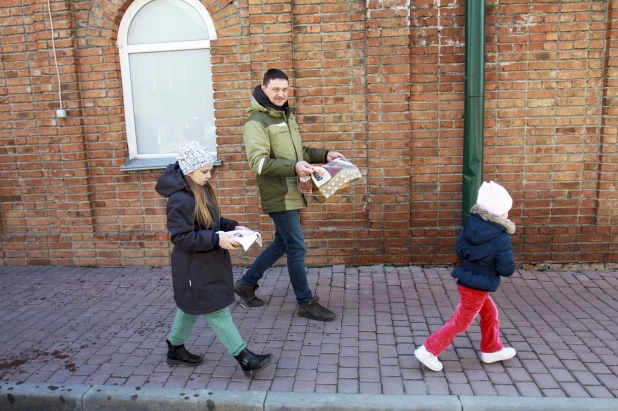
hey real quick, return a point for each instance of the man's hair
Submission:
(273, 74)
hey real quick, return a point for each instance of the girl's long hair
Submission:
(201, 214)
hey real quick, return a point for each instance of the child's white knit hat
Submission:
(193, 156)
(494, 198)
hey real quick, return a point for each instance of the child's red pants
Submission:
(472, 302)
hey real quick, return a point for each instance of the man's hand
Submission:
(333, 155)
(303, 169)
(240, 228)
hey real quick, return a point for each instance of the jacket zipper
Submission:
(295, 151)
(291, 137)
(190, 285)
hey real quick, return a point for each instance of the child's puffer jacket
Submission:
(485, 250)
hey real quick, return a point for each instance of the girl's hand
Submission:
(227, 243)
(240, 227)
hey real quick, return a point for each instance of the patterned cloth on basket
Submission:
(334, 176)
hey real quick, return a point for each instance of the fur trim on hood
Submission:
(498, 219)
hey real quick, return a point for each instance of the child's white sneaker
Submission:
(504, 354)
(427, 358)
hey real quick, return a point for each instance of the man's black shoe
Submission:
(313, 310)
(247, 294)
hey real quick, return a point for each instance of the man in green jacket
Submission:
(277, 157)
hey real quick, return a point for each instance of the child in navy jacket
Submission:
(485, 250)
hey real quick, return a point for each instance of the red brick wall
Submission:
(380, 81)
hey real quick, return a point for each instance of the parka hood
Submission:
(483, 226)
(171, 181)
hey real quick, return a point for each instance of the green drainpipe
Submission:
(474, 104)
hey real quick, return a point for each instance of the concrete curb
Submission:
(537, 404)
(82, 397)
(41, 396)
(293, 401)
(109, 397)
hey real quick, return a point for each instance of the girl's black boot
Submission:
(178, 355)
(252, 363)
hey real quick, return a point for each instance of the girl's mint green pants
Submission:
(221, 323)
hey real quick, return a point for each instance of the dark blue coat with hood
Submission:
(485, 250)
(201, 270)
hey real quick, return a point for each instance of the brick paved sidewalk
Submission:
(108, 326)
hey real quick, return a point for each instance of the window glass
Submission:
(172, 100)
(163, 21)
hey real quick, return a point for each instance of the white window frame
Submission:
(125, 68)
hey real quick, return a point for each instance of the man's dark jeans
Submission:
(289, 239)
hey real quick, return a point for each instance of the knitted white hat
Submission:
(494, 198)
(193, 156)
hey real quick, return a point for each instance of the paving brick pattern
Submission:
(108, 326)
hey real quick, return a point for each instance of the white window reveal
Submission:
(166, 79)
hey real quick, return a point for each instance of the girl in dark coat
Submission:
(485, 250)
(201, 263)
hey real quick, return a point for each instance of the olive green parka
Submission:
(274, 146)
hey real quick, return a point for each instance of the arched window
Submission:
(166, 79)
